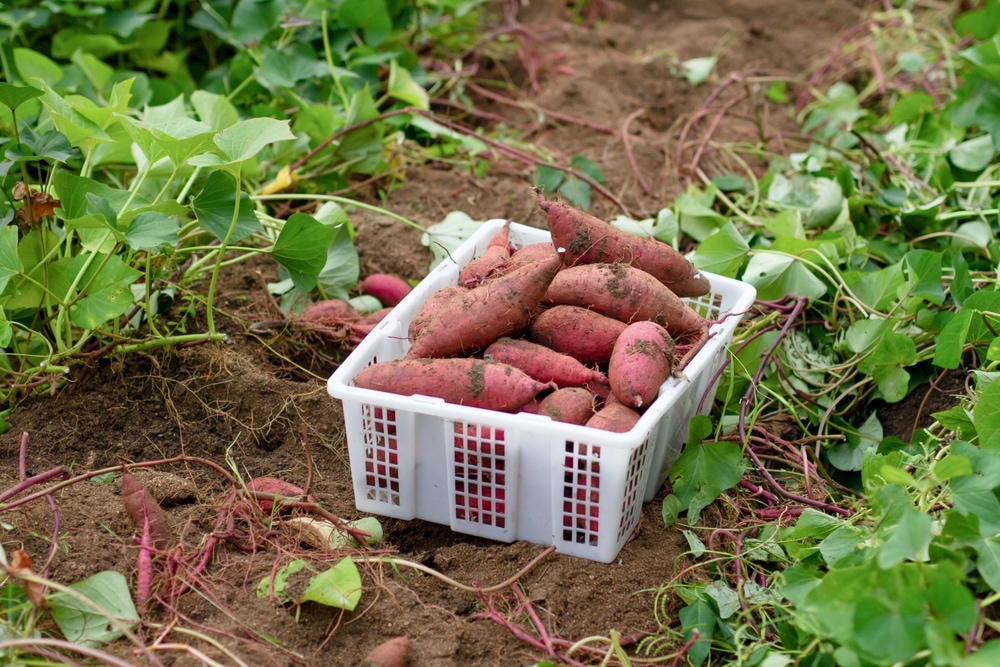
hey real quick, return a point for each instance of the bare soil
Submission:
(247, 403)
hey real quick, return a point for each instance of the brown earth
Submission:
(246, 404)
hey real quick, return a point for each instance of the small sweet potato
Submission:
(389, 290)
(392, 653)
(330, 313)
(542, 363)
(623, 292)
(358, 330)
(272, 485)
(472, 382)
(642, 360)
(572, 405)
(468, 322)
(586, 336)
(496, 254)
(614, 417)
(589, 240)
(146, 513)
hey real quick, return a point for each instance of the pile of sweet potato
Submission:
(581, 329)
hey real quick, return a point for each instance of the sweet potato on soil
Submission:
(642, 360)
(586, 336)
(143, 509)
(614, 417)
(471, 382)
(496, 254)
(274, 486)
(542, 363)
(572, 405)
(330, 313)
(589, 240)
(389, 290)
(392, 653)
(462, 324)
(623, 292)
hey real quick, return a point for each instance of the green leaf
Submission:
(371, 16)
(951, 341)
(97, 72)
(950, 467)
(886, 365)
(216, 111)
(703, 471)
(577, 192)
(923, 274)
(301, 247)
(253, 19)
(34, 65)
(878, 290)
(723, 252)
(890, 633)
(974, 154)
(342, 268)
(701, 618)
(986, 413)
(151, 230)
(107, 293)
(697, 70)
(471, 144)
(285, 68)
(363, 146)
(725, 598)
(247, 138)
(988, 563)
(405, 89)
(908, 541)
(10, 261)
(850, 454)
(446, 236)
(79, 623)
(215, 204)
(548, 179)
(697, 217)
(280, 581)
(671, 510)
(585, 166)
(339, 587)
(12, 96)
(776, 275)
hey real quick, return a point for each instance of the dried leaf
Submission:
(39, 206)
(20, 565)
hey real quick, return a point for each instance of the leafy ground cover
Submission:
(837, 508)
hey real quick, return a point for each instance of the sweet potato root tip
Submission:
(464, 323)
(389, 290)
(589, 240)
(463, 381)
(641, 361)
(144, 511)
(392, 653)
(496, 255)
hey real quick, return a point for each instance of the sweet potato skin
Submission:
(389, 290)
(430, 307)
(589, 240)
(496, 254)
(542, 363)
(623, 292)
(642, 360)
(471, 321)
(614, 417)
(586, 336)
(571, 405)
(527, 255)
(471, 382)
(330, 313)
(392, 653)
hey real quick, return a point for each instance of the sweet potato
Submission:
(542, 363)
(389, 290)
(589, 240)
(272, 485)
(471, 382)
(471, 321)
(330, 313)
(527, 255)
(392, 653)
(614, 417)
(586, 336)
(623, 292)
(482, 267)
(358, 330)
(572, 405)
(434, 302)
(145, 512)
(642, 360)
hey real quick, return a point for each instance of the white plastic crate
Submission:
(518, 476)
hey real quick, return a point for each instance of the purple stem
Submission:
(755, 490)
(41, 477)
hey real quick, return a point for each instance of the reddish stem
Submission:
(628, 152)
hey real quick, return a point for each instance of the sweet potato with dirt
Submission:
(330, 313)
(571, 405)
(391, 653)
(272, 486)
(430, 308)
(146, 513)
(623, 292)
(589, 240)
(389, 290)
(642, 360)
(496, 254)
(527, 255)
(614, 417)
(471, 382)
(503, 306)
(542, 363)
(585, 335)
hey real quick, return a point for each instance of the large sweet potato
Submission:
(641, 361)
(542, 363)
(572, 405)
(623, 292)
(585, 335)
(471, 382)
(430, 308)
(614, 417)
(589, 240)
(527, 255)
(468, 322)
